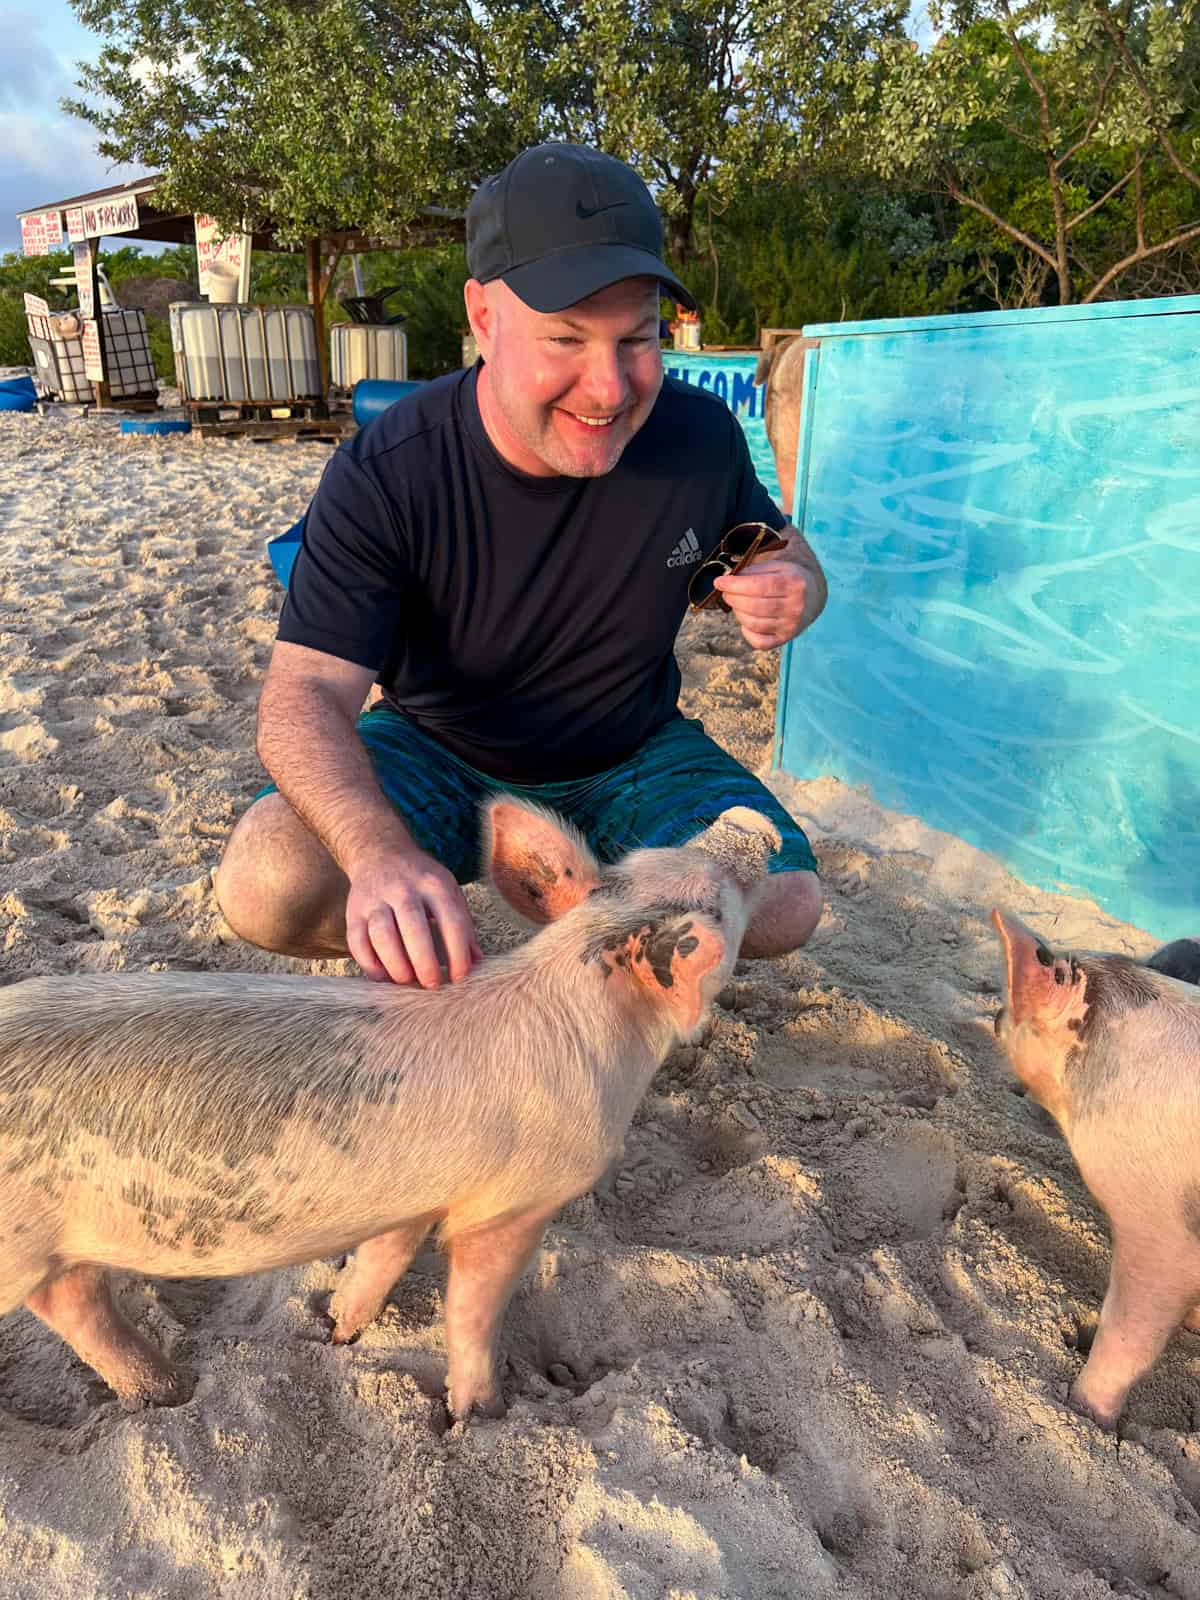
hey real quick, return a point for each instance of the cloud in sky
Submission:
(47, 155)
(29, 68)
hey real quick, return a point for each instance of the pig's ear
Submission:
(674, 959)
(539, 864)
(1036, 976)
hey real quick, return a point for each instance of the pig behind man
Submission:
(781, 370)
(1111, 1048)
(207, 1125)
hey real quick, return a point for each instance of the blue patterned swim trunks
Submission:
(671, 787)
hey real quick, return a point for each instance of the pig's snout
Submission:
(743, 841)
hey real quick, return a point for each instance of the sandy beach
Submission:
(811, 1335)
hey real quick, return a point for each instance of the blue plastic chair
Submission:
(371, 397)
(282, 550)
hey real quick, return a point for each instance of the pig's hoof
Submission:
(1105, 1420)
(173, 1387)
(480, 1409)
(339, 1328)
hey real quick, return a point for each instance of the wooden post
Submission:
(317, 284)
(100, 386)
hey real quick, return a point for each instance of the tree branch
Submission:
(1018, 50)
(1118, 38)
(1140, 255)
(1005, 227)
(1108, 194)
(1093, 124)
(1062, 265)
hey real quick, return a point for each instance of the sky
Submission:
(44, 154)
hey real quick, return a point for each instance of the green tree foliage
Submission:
(707, 98)
(789, 254)
(1068, 130)
(316, 114)
(327, 114)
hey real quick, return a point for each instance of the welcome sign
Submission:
(731, 379)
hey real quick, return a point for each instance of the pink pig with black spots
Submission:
(1111, 1048)
(213, 1124)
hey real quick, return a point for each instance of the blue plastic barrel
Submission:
(158, 426)
(283, 549)
(373, 395)
(17, 394)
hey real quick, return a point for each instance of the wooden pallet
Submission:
(304, 419)
(139, 402)
(279, 428)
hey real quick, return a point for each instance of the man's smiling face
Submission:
(562, 393)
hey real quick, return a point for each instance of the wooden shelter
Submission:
(132, 211)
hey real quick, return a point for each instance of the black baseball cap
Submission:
(563, 221)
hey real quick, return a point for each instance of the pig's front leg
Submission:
(378, 1264)
(78, 1305)
(485, 1264)
(1153, 1285)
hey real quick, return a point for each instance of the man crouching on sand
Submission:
(508, 550)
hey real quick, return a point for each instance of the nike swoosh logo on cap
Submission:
(583, 213)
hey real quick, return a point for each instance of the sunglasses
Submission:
(735, 551)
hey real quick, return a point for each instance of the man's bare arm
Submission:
(308, 742)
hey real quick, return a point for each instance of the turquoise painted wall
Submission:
(731, 378)
(1008, 508)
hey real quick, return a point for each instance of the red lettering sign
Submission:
(41, 232)
(91, 352)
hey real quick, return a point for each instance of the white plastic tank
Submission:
(256, 354)
(366, 350)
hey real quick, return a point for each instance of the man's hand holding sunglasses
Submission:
(773, 583)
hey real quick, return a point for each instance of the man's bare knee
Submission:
(785, 916)
(277, 885)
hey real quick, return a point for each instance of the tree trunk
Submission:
(677, 228)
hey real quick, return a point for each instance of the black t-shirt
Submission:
(528, 624)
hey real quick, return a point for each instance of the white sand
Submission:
(809, 1339)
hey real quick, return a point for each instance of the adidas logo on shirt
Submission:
(686, 551)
